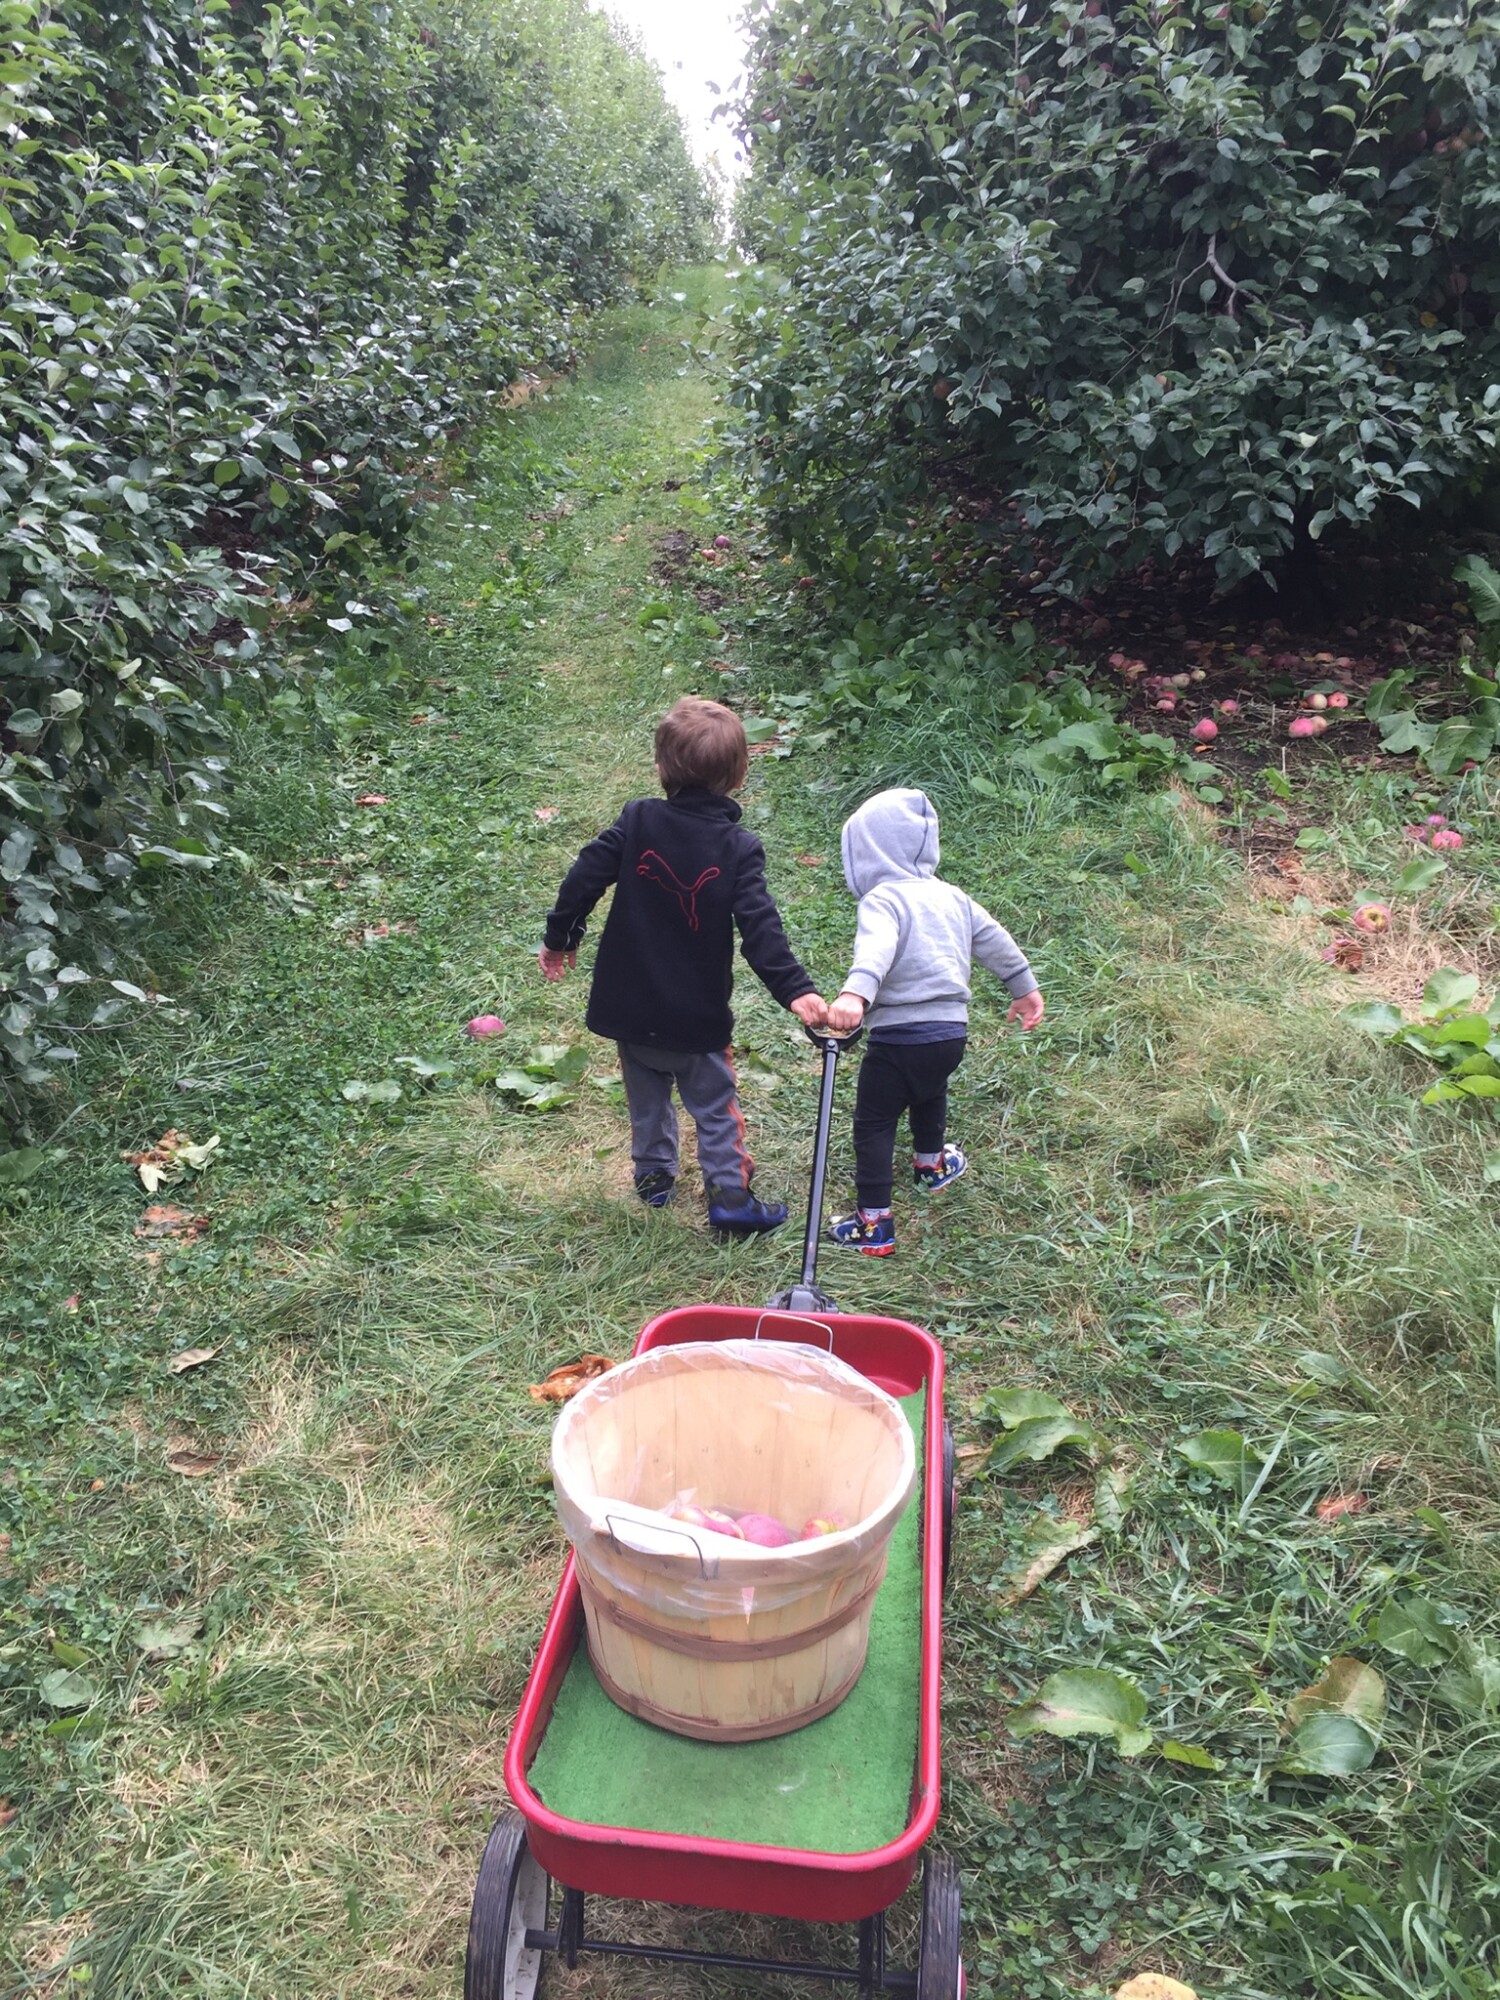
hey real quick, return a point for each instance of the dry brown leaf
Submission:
(1154, 1986)
(7, 1812)
(1337, 1505)
(162, 1219)
(567, 1380)
(811, 860)
(191, 1464)
(191, 1357)
(372, 799)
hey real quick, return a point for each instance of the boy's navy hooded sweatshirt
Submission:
(685, 874)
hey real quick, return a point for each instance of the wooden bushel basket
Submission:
(695, 1631)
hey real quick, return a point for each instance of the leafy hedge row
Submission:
(255, 261)
(1212, 276)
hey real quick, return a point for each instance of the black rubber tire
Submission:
(491, 1971)
(940, 1973)
(950, 1469)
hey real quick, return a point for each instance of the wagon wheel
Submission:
(510, 1898)
(950, 1463)
(940, 1972)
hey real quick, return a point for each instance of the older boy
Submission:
(686, 873)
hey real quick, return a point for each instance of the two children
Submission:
(686, 874)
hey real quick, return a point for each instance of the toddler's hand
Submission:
(1028, 1010)
(555, 963)
(845, 1013)
(811, 1010)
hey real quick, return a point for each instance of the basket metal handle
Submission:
(802, 1319)
(637, 1548)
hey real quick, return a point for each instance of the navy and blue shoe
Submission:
(656, 1188)
(738, 1212)
(930, 1179)
(871, 1239)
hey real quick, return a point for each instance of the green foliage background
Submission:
(1174, 276)
(257, 262)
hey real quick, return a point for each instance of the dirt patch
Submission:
(674, 556)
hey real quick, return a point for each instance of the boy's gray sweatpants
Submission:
(709, 1091)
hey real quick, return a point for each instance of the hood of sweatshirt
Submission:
(892, 838)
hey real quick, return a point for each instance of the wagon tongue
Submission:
(805, 1296)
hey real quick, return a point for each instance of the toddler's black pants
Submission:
(896, 1077)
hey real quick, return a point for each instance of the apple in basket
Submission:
(712, 1518)
(822, 1524)
(766, 1531)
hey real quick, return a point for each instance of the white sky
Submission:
(695, 43)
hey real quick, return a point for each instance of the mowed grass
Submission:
(1196, 1201)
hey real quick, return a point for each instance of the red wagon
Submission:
(826, 1824)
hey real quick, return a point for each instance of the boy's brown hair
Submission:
(701, 743)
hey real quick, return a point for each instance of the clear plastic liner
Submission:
(750, 1426)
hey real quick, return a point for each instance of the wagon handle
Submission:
(802, 1319)
(687, 1535)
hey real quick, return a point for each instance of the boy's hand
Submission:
(845, 1013)
(1028, 1010)
(811, 1010)
(555, 963)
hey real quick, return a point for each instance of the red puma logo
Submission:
(665, 876)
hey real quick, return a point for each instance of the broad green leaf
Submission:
(1087, 1701)
(1226, 1457)
(22, 1164)
(1420, 874)
(1470, 1684)
(1491, 1166)
(1448, 990)
(1036, 1438)
(1045, 1544)
(1372, 1017)
(1482, 582)
(1330, 1746)
(65, 1687)
(1472, 1028)
(1412, 1628)
(1013, 1406)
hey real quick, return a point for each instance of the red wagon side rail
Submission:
(734, 1875)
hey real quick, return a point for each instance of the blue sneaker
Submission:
(656, 1188)
(738, 1212)
(930, 1179)
(871, 1239)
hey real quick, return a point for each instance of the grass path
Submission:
(1195, 1205)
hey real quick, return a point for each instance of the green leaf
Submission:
(1411, 1628)
(1448, 990)
(1372, 1017)
(1087, 1701)
(1420, 874)
(22, 1164)
(1482, 582)
(1330, 1746)
(1036, 1438)
(67, 1655)
(983, 787)
(1470, 1684)
(64, 1687)
(1189, 1754)
(1013, 1406)
(226, 471)
(1336, 1722)
(1491, 1166)
(1225, 1456)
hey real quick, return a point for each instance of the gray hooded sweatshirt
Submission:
(917, 936)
